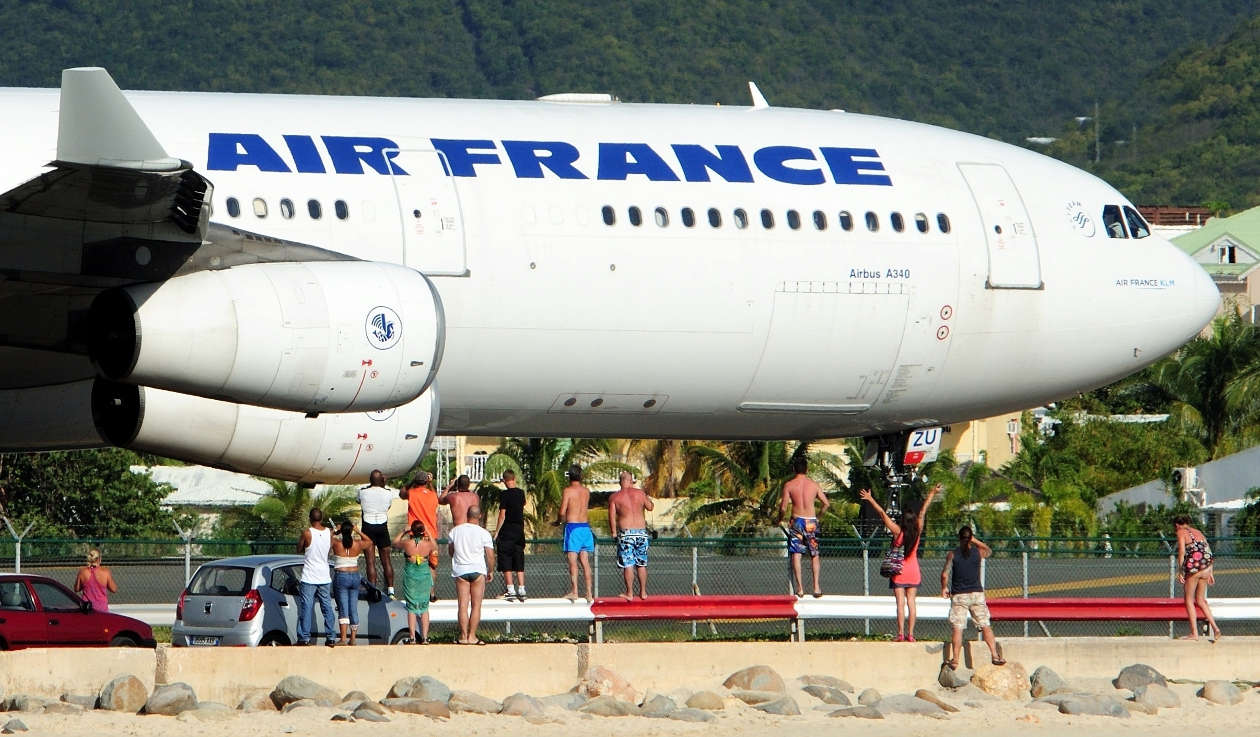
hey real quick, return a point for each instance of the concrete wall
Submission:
(52, 672)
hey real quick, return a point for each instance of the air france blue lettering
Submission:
(620, 160)
(305, 155)
(771, 160)
(458, 157)
(529, 157)
(350, 153)
(845, 170)
(697, 161)
(229, 151)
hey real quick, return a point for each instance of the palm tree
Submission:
(282, 512)
(670, 466)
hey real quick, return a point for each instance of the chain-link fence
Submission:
(154, 571)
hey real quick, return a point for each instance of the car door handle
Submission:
(3, 620)
(54, 621)
(283, 602)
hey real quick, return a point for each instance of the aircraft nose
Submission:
(1205, 298)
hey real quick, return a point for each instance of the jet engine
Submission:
(309, 336)
(328, 448)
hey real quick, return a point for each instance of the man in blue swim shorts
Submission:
(579, 542)
(628, 523)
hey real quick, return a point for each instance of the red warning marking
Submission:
(942, 332)
(361, 436)
(374, 374)
(365, 362)
(913, 458)
(947, 312)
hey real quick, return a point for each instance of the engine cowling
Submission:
(329, 448)
(310, 337)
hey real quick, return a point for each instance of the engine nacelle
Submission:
(330, 448)
(311, 337)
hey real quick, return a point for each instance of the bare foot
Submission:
(643, 596)
(1216, 633)
(571, 596)
(626, 596)
(1188, 637)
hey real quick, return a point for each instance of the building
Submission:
(1229, 250)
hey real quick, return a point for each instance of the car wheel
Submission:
(273, 639)
(124, 641)
(400, 636)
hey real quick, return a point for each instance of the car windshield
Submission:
(221, 581)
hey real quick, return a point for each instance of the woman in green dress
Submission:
(417, 545)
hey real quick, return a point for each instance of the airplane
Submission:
(311, 287)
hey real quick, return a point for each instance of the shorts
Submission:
(894, 585)
(972, 602)
(510, 548)
(378, 534)
(804, 536)
(632, 548)
(578, 538)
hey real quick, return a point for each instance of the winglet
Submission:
(759, 100)
(98, 127)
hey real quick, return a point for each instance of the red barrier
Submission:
(1079, 610)
(689, 608)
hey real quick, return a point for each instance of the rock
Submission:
(296, 688)
(365, 715)
(752, 698)
(1138, 675)
(87, 701)
(784, 706)
(609, 706)
(953, 678)
(124, 693)
(519, 704)
(1045, 682)
(348, 706)
(861, 712)
(401, 687)
(827, 681)
(706, 700)
(342, 717)
(13, 726)
(432, 709)
(1220, 692)
(170, 699)
(428, 688)
(927, 695)
(756, 678)
(473, 703)
(691, 715)
(25, 702)
(373, 706)
(257, 701)
(1153, 694)
(869, 697)
(208, 711)
(1008, 682)
(828, 695)
(1096, 705)
(355, 696)
(570, 701)
(907, 704)
(299, 704)
(601, 681)
(60, 707)
(1137, 707)
(659, 705)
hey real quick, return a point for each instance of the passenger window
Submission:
(820, 220)
(610, 216)
(314, 210)
(715, 217)
(794, 219)
(342, 209)
(13, 595)
(1112, 222)
(898, 223)
(636, 217)
(1137, 226)
(662, 217)
(942, 222)
(872, 222)
(921, 222)
(741, 218)
(55, 598)
(260, 207)
(688, 217)
(767, 219)
(233, 207)
(846, 220)
(282, 580)
(286, 209)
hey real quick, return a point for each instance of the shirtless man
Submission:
(459, 499)
(629, 529)
(579, 542)
(800, 494)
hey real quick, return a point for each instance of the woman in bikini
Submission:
(1196, 573)
(907, 531)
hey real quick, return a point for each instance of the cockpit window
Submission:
(1137, 226)
(1112, 222)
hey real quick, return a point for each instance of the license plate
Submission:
(204, 640)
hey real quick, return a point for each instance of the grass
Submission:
(162, 635)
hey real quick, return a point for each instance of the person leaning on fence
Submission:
(960, 583)
(346, 546)
(417, 545)
(96, 582)
(1195, 573)
(907, 531)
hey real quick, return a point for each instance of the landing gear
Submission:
(888, 454)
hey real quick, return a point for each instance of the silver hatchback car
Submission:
(253, 600)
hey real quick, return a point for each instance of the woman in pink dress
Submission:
(907, 530)
(95, 582)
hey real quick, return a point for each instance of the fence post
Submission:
(187, 537)
(1172, 579)
(595, 576)
(1024, 555)
(866, 574)
(695, 582)
(17, 543)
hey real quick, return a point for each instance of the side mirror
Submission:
(85, 606)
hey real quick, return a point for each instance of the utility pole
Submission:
(1097, 147)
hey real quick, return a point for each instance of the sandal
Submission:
(999, 661)
(951, 664)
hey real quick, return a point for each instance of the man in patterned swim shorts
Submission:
(799, 495)
(629, 526)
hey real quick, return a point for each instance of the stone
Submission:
(658, 706)
(1008, 682)
(609, 706)
(87, 701)
(257, 701)
(953, 678)
(1220, 692)
(170, 699)
(373, 706)
(519, 704)
(365, 715)
(1096, 705)
(431, 709)
(13, 726)
(756, 678)
(1138, 675)
(1137, 707)
(401, 687)
(1045, 682)
(472, 703)
(927, 695)
(869, 697)
(601, 681)
(828, 695)
(570, 701)
(26, 703)
(691, 715)
(752, 698)
(428, 688)
(784, 706)
(907, 704)
(706, 700)
(827, 681)
(299, 704)
(124, 693)
(60, 707)
(1153, 694)
(296, 688)
(355, 696)
(341, 716)
(861, 712)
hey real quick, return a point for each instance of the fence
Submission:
(154, 571)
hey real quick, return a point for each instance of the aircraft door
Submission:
(429, 213)
(1014, 262)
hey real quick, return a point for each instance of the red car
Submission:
(36, 611)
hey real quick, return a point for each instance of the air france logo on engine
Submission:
(610, 161)
(381, 415)
(383, 328)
